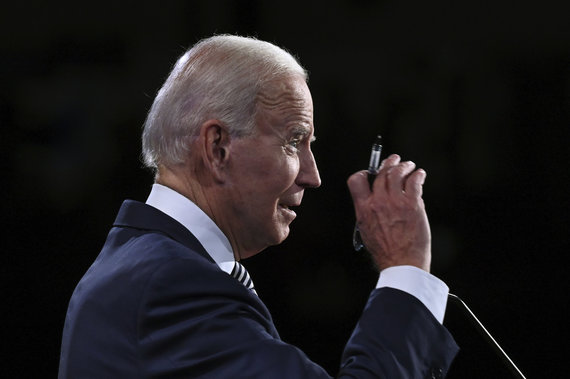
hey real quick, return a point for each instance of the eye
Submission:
(295, 143)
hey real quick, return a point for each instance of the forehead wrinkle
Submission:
(282, 91)
(291, 109)
(285, 99)
(289, 105)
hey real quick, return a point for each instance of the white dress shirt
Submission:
(431, 291)
(196, 221)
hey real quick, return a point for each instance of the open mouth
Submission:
(287, 209)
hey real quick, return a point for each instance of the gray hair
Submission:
(218, 78)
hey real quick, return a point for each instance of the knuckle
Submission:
(354, 178)
(393, 172)
(392, 157)
(350, 180)
(400, 170)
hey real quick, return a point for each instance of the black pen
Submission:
(374, 164)
(373, 168)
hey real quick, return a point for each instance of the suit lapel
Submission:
(137, 215)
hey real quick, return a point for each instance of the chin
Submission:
(280, 235)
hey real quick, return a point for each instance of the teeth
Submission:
(287, 206)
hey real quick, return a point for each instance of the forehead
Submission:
(288, 103)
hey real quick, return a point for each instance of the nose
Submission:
(308, 176)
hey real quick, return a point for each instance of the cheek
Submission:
(269, 188)
(262, 179)
(284, 175)
(278, 174)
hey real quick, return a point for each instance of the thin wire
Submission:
(479, 326)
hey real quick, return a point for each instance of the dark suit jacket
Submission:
(155, 304)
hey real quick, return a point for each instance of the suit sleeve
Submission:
(397, 337)
(196, 321)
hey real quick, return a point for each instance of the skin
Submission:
(391, 217)
(248, 185)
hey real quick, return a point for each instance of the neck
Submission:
(207, 196)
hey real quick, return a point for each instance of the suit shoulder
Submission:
(136, 245)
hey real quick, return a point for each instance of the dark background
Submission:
(477, 93)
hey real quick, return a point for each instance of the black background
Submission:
(476, 93)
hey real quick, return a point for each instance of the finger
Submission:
(359, 188)
(387, 164)
(397, 176)
(391, 161)
(414, 184)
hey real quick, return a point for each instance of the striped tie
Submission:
(240, 273)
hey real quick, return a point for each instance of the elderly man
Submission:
(229, 135)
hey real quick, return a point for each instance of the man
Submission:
(229, 136)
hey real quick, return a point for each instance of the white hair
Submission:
(219, 78)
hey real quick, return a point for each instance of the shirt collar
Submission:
(196, 221)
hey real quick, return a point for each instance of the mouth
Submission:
(287, 209)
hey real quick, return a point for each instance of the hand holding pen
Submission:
(391, 218)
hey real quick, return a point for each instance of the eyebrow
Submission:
(303, 131)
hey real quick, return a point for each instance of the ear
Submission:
(214, 148)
